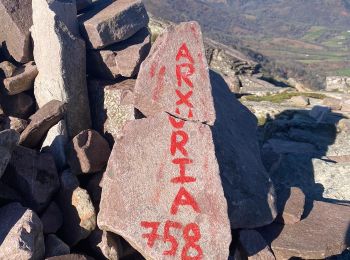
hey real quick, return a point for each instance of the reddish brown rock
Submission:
(112, 21)
(120, 59)
(254, 247)
(89, 152)
(34, 175)
(79, 218)
(290, 206)
(323, 233)
(20, 233)
(144, 189)
(176, 68)
(112, 105)
(106, 244)
(41, 122)
(345, 106)
(22, 79)
(52, 219)
(7, 69)
(332, 103)
(21, 105)
(15, 22)
(17, 124)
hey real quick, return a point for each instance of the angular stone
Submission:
(333, 103)
(140, 186)
(120, 59)
(55, 246)
(34, 175)
(290, 206)
(112, 21)
(62, 68)
(15, 22)
(46, 117)
(17, 124)
(8, 141)
(344, 125)
(179, 49)
(79, 218)
(325, 232)
(21, 105)
(52, 219)
(82, 4)
(89, 152)
(21, 233)
(22, 79)
(300, 101)
(7, 69)
(254, 246)
(55, 142)
(106, 244)
(247, 186)
(112, 105)
(319, 113)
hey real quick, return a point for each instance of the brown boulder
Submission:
(120, 59)
(89, 152)
(176, 68)
(22, 79)
(153, 185)
(15, 22)
(34, 175)
(323, 233)
(332, 103)
(290, 206)
(20, 105)
(41, 122)
(79, 218)
(112, 21)
(21, 233)
(17, 124)
(7, 69)
(112, 105)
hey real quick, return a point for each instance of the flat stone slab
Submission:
(15, 22)
(176, 66)
(162, 191)
(46, 117)
(62, 68)
(120, 59)
(112, 21)
(325, 232)
(22, 79)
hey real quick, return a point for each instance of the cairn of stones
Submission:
(115, 148)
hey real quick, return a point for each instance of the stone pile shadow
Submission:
(297, 169)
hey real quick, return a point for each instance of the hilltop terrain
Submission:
(306, 40)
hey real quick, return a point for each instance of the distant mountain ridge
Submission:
(302, 35)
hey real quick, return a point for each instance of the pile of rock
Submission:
(113, 149)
